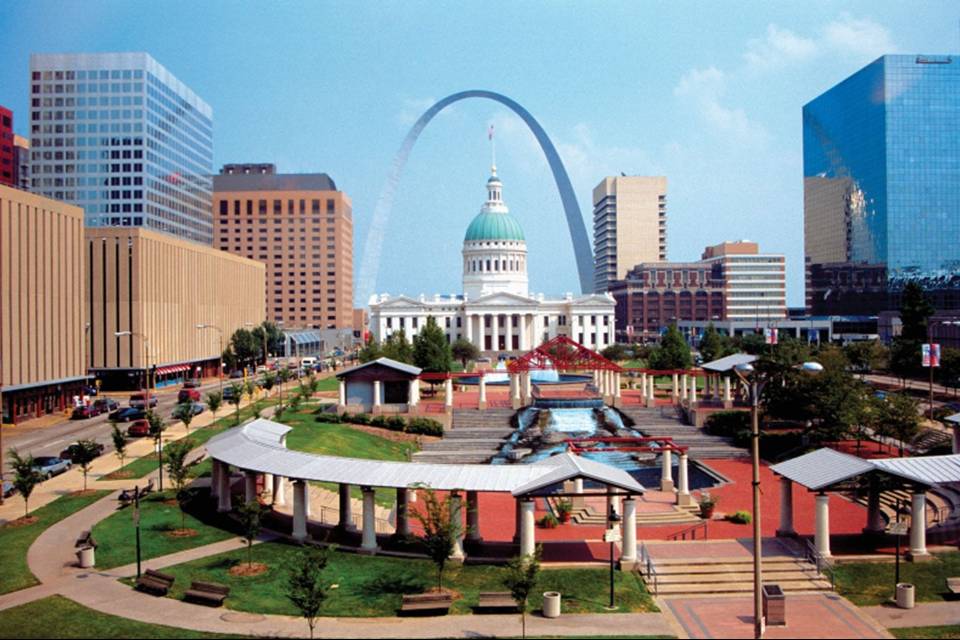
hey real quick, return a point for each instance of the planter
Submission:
(551, 604)
(774, 605)
(706, 511)
(906, 594)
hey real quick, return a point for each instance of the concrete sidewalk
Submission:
(924, 614)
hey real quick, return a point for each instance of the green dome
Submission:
(494, 226)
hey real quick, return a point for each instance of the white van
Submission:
(308, 363)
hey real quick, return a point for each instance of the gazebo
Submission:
(377, 384)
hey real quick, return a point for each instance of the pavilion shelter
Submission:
(381, 385)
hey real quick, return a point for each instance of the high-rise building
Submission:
(881, 166)
(7, 160)
(301, 227)
(755, 283)
(629, 226)
(120, 136)
(21, 162)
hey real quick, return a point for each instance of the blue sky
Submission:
(708, 94)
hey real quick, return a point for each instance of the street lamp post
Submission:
(612, 519)
(748, 376)
(220, 359)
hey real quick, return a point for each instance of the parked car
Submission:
(188, 395)
(85, 411)
(127, 414)
(236, 374)
(192, 383)
(106, 405)
(138, 400)
(73, 449)
(49, 466)
(196, 407)
(139, 429)
(90, 390)
(228, 393)
(8, 489)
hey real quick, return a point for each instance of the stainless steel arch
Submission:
(381, 214)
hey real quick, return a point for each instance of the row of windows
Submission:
(102, 74)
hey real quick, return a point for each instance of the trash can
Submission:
(906, 593)
(551, 604)
(86, 557)
(774, 605)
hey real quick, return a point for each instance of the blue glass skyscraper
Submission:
(881, 160)
(120, 136)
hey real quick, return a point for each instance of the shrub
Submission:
(548, 521)
(378, 421)
(330, 418)
(728, 423)
(425, 426)
(396, 423)
(740, 517)
(358, 418)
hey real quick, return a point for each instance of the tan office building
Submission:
(160, 288)
(41, 316)
(301, 228)
(629, 226)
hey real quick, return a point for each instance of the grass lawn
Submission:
(59, 617)
(116, 540)
(870, 583)
(373, 585)
(15, 541)
(948, 631)
(328, 384)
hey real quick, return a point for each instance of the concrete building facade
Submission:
(301, 228)
(21, 162)
(629, 226)
(41, 318)
(755, 284)
(7, 160)
(160, 288)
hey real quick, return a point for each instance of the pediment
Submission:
(402, 302)
(502, 299)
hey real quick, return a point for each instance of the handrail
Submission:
(692, 531)
(824, 566)
(647, 569)
(330, 515)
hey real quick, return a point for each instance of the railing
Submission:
(941, 514)
(691, 532)
(647, 569)
(824, 566)
(331, 516)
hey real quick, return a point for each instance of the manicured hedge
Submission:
(419, 426)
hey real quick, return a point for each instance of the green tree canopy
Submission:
(431, 351)
(371, 351)
(464, 351)
(673, 352)
(305, 587)
(915, 311)
(398, 348)
(440, 529)
(714, 346)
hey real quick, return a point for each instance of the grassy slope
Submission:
(947, 631)
(870, 583)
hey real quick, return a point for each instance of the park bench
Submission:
(209, 593)
(496, 600)
(422, 602)
(155, 582)
(953, 586)
(85, 539)
(147, 489)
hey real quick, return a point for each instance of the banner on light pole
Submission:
(931, 354)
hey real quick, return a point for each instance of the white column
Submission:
(508, 340)
(727, 395)
(249, 486)
(268, 485)
(403, 507)
(628, 552)
(515, 390)
(684, 393)
(224, 500)
(822, 533)
(346, 507)
(527, 385)
(693, 389)
(495, 328)
(683, 492)
(786, 508)
(413, 399)
(376, 396)
(448, 394)
(918, 524)
(643, 386)
(468, 327)
(279, 490)
(483, 392)
(369, 539)
(527, 531)
(616, 385)
(299, 510)
(473, 516)
(652, 395)
(666, 471)
(456, 515)
(675, 388)
(215, 479)
(343, 392)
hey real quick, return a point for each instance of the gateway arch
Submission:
(381, 213)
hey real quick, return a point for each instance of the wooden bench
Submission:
(953, 586)
(85, 539)
(155, 582)
(496, 600)
(209, 593)
(424, 602)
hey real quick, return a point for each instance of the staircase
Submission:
(702, 446)
(688, 577)
(475, 437)
(943, 505)
(679, 515)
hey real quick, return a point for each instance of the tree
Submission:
(84, 453)
(25, 477)
(214, 402)
(864, 355)
(371, 351)
(440, 529)
(520, 578)
(274, 338)
(899, 418)
(431, 351)
(236, 396)
(464, 351)
(305, 587)
(269, 381)
(175, 454)
(915, 311)
(157, 427)
(615, 352)
(904, 358)
(119, 442)
(673, 352)
(283, 375)
(184, 413)
(250, 522)
(712, 345)
(398, 348)
(949, 370)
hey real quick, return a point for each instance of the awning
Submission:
(177, 368)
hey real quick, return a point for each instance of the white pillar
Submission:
(413, 399)
(495, 336)
(448, 394)
(666, 471)
(343, 392)
(279, 490)
(822, 533)
(468, 328)
(249, 486)
(684, 393)
(215, 479)
(268, 485)
(526, 387)
(616, 385)
(653, 389)
(483, 393)
(224, 500)
(693, 389)
(403, 507)
(675, 388)
(643, 385)
(628, 552)
(918, 524)
(515, 390)
(508, 339)
(683, 492)
(299, 510)
(727, 395)
(527, 531)
(786, 508)
(456, 515)
(376, 396)
(369, 540)
(473, 516)
(346, 507)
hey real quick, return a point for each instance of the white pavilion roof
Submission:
(823, 468)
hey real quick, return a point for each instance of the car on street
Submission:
(192, 383)
(228, 393)
(127, 414)
(234, 375)
(188, 395)
(85, 411)
(8, 489)
(70, 452)
(139, 429)
(49, 466)
(106, 405)
(90, 390)
(138, 400)
(195, 407)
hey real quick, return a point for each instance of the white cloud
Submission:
(857, 36)
(704, 89)
(779, 47)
